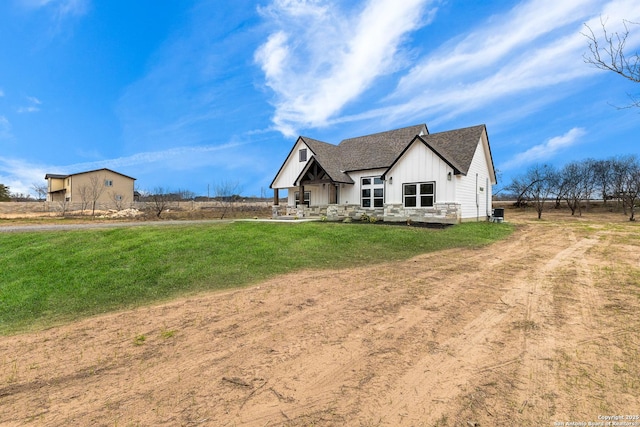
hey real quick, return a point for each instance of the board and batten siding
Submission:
(474, 190)
(292, 167)
(318, 195)
(350, 194)
(419, 164)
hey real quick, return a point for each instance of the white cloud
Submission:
(521, 54)
(546, 150)
(182, 155)
(32, 107)
(318, 64)
(20, 175)
(5, 128)
(61, 8)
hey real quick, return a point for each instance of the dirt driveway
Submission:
(539, 330)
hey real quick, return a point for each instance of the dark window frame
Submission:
(371, 192)
(416, 194)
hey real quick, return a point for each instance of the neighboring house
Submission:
(399, 175)
(107, 188)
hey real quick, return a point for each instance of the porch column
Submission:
(301, 196)
(276, 197)
(332, 194)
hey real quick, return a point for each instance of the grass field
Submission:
(53, 277)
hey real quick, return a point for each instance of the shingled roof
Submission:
(328, 157)
(456, 146)
(381, 150)
(378, 150)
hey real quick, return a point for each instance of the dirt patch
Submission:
(538, 329)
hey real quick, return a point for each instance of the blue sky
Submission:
(186, 94)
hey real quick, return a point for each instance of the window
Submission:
(108, 183)
(307, 198)
(419, 195)
(372, 192)
(303, 154)
(118, 197)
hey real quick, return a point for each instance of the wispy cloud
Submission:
(5, 128)
(320, 55)
(20, 175)
(546, 150)
(520, 52)
(60, 8)
(32, 107)
(173, 157)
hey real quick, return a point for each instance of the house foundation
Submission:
(440, 213)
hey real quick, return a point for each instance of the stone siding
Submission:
(442, 213)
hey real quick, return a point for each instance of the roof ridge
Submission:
(384, 132)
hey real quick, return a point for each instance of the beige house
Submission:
(101, 188)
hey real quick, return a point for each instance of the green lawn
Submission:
(52, 277)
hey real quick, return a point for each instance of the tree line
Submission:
(578, 183)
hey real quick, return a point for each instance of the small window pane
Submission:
(410, 202)
(426, 201)
(377, 181)
(426, 188)
(366, 181)
(366, 203)
(378, 203)
(366, 192)
(410, 190)
(378, 192)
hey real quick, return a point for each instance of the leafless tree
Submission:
(95, 189)
(159, 200)
(64, 204)
(226, 193)
(518, 187)
(626, 179)
(602, 178)
(542, 181)
(608, 51)
(41, 190)
(570, 177)
(84, 193)
(118, 200)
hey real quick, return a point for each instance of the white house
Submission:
(398, 175)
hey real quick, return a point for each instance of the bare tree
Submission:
(95, 189)
(626, 179)
(569, 181)
(602, 176)
(631, 194)
(64, 204)
(84, 193)
(519, 187)
(118, 200)
(226, 193)
(542, 180)
(41, 190)
(159, 200)
(608, 52)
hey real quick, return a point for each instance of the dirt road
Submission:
(539, 329)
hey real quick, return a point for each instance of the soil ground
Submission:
(541, 329)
